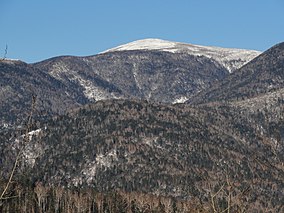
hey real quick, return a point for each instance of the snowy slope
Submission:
(62, 72)
(230, 58)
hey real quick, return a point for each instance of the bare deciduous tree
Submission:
(26, 140)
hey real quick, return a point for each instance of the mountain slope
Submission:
(20, 82)
(152, 75)
(262, 75)
(232, 59)
(62, 83)
(164, 150)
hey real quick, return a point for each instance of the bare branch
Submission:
(26, 141)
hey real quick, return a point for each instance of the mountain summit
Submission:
(230, 58)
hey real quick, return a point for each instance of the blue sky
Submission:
(39, 29)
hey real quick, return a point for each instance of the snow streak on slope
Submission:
(9, 60)
(230, 58)
(91, 90)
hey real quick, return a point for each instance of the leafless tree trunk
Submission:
(18, 157)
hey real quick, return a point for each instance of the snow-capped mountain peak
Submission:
(147, 44)
(230, 58)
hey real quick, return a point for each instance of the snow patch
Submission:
(31, 150)
(149, 141)
(91, 91)
(34, 132)
(9, 60)
(106, 160)
(180, 100)
(135, 75)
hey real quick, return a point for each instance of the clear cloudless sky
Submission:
(35, 30)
